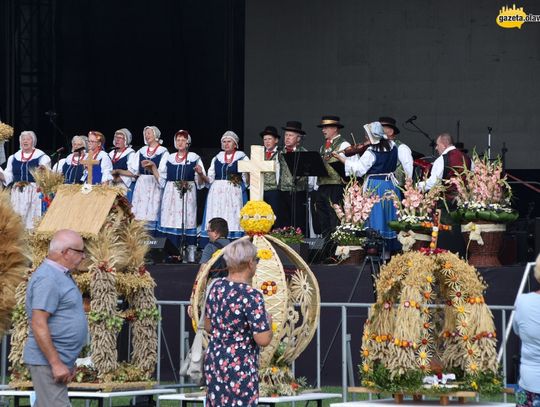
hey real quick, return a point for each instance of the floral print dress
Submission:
(231, 363)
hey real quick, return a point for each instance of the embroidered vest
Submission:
(224, 171)
(121, 163)
(21, 169)
(333, 177)
(454, 163)
(181, 172)
(72, 173)
(399, 173)
(385, 162)
(270, 183)
(155, 159)
(286, 181)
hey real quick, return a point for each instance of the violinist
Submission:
(330, 188)
(378, 163)
(405, 163)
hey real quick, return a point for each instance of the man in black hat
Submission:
(330, 188)
(270, 138)
(293, 189)
(405, 158)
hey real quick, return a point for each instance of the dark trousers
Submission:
(326, 196)
(293, 209)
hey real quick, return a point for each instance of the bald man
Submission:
(58, 325)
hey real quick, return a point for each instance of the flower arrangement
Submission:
(288, 234)
(347, 235)
(415, 211)
(483, 193)
(257, 217)
(357, 205)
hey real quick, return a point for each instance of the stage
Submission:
(174, 282)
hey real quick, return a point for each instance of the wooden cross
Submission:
(256, 166)
(437, 227)
(89, 164)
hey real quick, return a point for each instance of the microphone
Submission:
(79, 150)
(411, 119)
(489, 129)
(50, 113)
(58, 151)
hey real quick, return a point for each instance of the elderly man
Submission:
(270, 138)
(292, 188)
(330, 189)
(58, 326)
(450, 162)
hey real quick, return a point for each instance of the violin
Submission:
(356, 149)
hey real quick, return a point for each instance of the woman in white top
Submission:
(180, 176)
(144, 164)
(227, 194)
(71, 166)
(101, 171)
(120, 156)
(24, 196)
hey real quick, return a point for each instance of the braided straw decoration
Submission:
(297, 333)
(104, 297)
(140, 297)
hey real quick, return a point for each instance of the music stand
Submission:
(304, 164)
(339, 167)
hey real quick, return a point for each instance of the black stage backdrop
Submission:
(174, 282)
(124, 63)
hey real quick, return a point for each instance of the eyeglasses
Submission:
(256, 260)
(76, 250)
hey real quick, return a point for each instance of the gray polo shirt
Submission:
(52, 289)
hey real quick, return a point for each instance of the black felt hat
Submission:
(270, 130)
(389, 122)
(294, 126)
(330, 121)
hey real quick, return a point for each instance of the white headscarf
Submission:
(232, 135)
(127, 135)
(375, 132)
(28, 133)
(157, 134)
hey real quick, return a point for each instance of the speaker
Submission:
(161, 249)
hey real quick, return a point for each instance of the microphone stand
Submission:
(489, 143)
(432, 143)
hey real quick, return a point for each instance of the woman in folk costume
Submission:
(101, 171)
(144, 164)
(227, 192)
(24, 196)
(120, 156)
(71, 166)
(378, 163)
(181, 175)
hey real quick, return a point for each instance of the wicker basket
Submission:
(355, 257)
(486, 255)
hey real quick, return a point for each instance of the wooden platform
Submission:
(444, 399)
